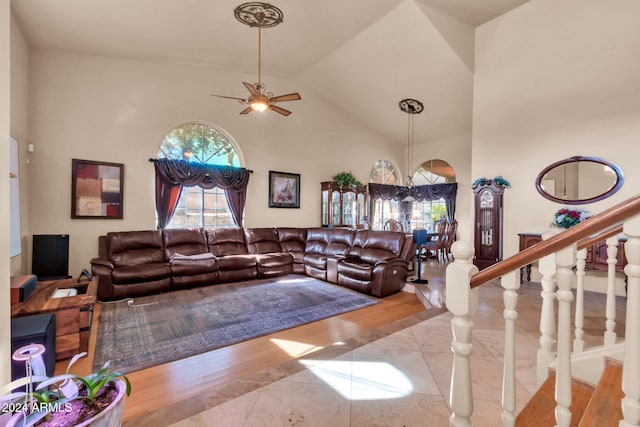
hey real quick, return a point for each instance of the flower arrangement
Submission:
(567, 218)
(346, 180)
(498, 180)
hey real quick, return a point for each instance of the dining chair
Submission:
(450, 238)
(436, 246)
(393, 225)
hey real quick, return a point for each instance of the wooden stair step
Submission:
(604, 409)
(540, 410)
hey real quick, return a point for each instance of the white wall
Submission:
(457, 152)
(20, 131)
(113, 110)
(554, 80)
(5, 114)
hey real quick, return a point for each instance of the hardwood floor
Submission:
(170, 384)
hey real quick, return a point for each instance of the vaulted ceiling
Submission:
(363, 55)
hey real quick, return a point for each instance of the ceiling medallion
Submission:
(257, 14)
(411, 106)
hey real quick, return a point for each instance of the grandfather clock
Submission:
(488, 197)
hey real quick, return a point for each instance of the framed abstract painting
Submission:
(96, 189)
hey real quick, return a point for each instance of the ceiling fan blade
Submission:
(252, 90)
(288, 97)
(279, 110)
(230, 97)
(246, 110)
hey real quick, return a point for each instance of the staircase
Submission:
(591, 405)
(578, 386)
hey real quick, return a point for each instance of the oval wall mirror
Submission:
(578, 180)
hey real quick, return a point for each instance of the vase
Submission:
(111, 416)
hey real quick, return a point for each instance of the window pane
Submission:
(199, 142)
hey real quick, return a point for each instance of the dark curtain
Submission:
(422, 193)
(172, 174)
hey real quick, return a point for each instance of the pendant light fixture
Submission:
(411, 107)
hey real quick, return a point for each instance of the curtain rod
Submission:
(151, 160)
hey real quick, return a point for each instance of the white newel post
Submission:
(612, 251)
(581, 262)
(631, 367)
(565, 259)
(547, 350)
(462, 302)
(510, 284)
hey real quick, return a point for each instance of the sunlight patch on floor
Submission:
(359, 380)
(295, 348)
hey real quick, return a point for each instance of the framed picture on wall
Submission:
(96, 189)
(284, 190)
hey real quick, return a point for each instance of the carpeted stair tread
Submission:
(540, 410)
(604, 409)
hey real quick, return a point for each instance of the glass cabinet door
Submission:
(335, 208)
(325, 207)
(349, 208)
(361, 210)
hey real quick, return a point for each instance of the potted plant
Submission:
(64, 400)
(346, 180)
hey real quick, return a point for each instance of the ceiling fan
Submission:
(261, 15)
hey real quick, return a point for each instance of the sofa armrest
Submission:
(391, 260)
(389, 276)
(95, 262)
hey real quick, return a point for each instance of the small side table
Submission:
(73, 314)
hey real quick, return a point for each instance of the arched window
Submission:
(201, 143)
(384, 172)
(428, 213)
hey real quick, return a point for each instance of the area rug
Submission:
(162, 328)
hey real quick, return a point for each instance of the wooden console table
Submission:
(73, 314)
(596, 254)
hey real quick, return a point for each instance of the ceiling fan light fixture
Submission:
(259, 102)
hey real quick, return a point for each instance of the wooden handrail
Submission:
(604, 221)
(605, 234)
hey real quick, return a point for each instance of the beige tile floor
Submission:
(401, 379)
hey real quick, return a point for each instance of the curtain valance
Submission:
(180, 172)
(422, 193)
(172, 175)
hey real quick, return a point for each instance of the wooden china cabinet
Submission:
(343, 207)
(488, 201)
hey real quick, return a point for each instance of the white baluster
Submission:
(564, 275)
(547, 350)
(612, 251)
(578, 342)
(510, 284)
(462, 302)
(631, 368)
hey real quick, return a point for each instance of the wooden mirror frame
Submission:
(614, 188)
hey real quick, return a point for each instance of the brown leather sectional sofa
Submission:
(135, 263)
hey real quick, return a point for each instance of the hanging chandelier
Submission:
(411, 107)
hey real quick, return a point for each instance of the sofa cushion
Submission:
(274, 260)
(189, 265)
(355, 269)
(226, 241)
(262, 240)
(372, 247)
(327, 241)
(184, 241)
(293, 240)
(136, 274)
(316, 261)
(237, 262)
(135, 247)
